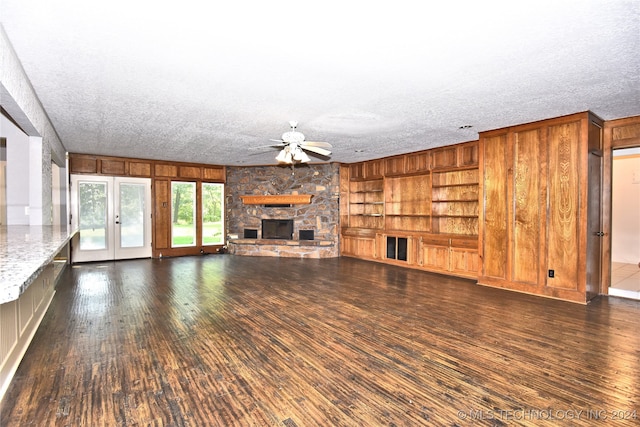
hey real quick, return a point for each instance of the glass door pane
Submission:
(131, 215)
(212, 214)
(183, 214)
(92, 203)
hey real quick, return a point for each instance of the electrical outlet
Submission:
(552, 273)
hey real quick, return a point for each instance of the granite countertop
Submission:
(24, 252)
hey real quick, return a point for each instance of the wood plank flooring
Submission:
(242, 341)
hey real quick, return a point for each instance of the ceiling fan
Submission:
(294, 146)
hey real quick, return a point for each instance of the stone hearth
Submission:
(322, 214)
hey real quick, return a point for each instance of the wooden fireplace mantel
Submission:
(278, 199)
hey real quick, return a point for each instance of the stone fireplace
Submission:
(299, 211)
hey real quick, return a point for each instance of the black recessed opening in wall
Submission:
(277, 229)
(305, 234)
(250, 233)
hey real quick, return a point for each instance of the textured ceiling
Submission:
(208, 82)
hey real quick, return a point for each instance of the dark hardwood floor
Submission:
(224, 341)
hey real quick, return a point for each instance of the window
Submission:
(183, 214)
(212, 214)
(92, 215)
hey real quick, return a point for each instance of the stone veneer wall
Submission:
(322, 215)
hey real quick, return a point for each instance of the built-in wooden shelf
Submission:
(278, 199)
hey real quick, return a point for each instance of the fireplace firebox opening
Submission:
(277, 229)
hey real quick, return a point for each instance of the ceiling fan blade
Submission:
(317, 144)
(269, 146)
(276, 140)
(316, 150)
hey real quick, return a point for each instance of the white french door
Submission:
(113, 216)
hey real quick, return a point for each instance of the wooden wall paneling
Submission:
(624, 132)
(190, 172)
(418, 162)
(161, 215)
(563, 237)
(115, 167)
(526, 220)
(165, 170)
(214, 174)
(442, 158)
(468, 154)
(140, 169)
(356, 171)
(495, 175)
(83, 164)
(373, 169)
(394, 165)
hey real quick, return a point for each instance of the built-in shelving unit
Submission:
(418, 209)
(455, 202)
(408, 203)
(366, 204)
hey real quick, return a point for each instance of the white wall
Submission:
(17, 173)
(625, 231)
(59, 194)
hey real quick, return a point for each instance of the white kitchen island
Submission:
(32, 259)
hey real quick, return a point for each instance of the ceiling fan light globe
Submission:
(282, 157)
(302, 157)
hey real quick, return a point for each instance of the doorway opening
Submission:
(113, 217)
(625, 227)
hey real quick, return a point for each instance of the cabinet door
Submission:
(564, 204)
(434, 257)
(464, 262)
(494, 232)
(526, 220)
(359, 246)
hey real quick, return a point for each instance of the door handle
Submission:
(598, 233)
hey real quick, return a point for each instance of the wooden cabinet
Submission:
(366, 204)
(535, 212)
(464, 260)
(450, 255)
(434, 253)
(359, 243)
